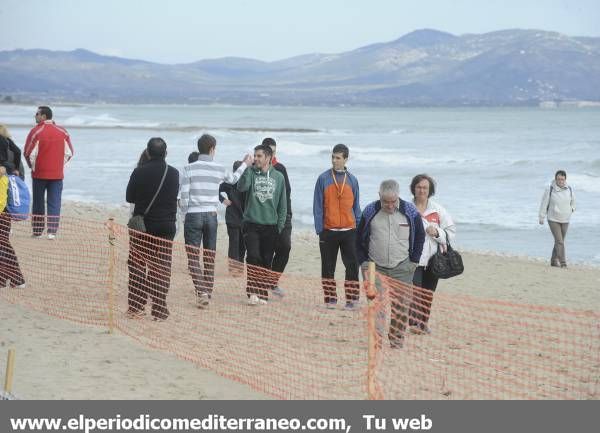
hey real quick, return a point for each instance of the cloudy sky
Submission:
(180, 31)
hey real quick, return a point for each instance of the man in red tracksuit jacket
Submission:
(47, 149)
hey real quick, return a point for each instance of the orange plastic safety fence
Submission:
(224, 316)
(473, 348)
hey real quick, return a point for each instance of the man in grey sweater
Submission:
(199, 199)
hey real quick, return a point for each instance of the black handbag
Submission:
(446, 265)
(136, 222)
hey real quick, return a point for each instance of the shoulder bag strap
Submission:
(158, 190)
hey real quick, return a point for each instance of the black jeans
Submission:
(330, 242)
(283, 245)
(260, 246)
(237, 249)
(420, 308)
(149, 266)
(9, 264)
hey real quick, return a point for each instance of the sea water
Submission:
(491, 165)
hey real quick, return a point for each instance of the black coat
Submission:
(10, 156)
(234, 212)
(142, 186)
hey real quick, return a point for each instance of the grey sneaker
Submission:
(202, 300)
(278, 291)
(351, 305)
(331, 305)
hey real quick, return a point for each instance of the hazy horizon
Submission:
(284, 58)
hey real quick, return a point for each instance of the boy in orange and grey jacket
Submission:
(336, 211)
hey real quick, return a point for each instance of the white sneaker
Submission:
(278, 291)
(202, 301)
(51, 236)
(254, 300)
(20, 286)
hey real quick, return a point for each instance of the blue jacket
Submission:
(416, 234)
(336, 206)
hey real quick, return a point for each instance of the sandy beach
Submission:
(60, 359)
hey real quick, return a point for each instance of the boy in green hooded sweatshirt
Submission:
(264, 218)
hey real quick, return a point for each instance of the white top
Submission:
(558, 205)
(436, 216)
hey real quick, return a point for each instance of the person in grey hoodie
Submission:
(558, 203)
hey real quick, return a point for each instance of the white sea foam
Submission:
(584, 182)
(490, 181)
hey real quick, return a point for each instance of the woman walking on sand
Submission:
(558, 203)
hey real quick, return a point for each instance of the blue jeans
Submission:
(38, 207)
(200, 229)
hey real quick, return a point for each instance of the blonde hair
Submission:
(4, 131)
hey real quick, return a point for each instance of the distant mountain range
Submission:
(422, 68)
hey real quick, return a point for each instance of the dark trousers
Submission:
(149, 266)
(237, 249)
(200, 229)
(330, 242)
(282, 250)
(559, 232)
(38, 206)
(260, 246)
(9, 264)
(420, 308)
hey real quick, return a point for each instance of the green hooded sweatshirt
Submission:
(265, 201)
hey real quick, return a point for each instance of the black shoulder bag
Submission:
(136, 222)
(446, 265)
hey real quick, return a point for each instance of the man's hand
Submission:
(248, 160)
(227, 202)
(541, 221)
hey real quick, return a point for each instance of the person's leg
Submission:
(268, 239)
(400, 296)
(209, 247)
(283, 247)
(348, 250)
(559, 244)
(192, 234)
(159, 273)
(233, 252)
(137, 296)
(415, 316)
(254, 260)
(563, 229)
(38, 206)
(54, 188)
(328, 246)
(9, 264)
(422, 299)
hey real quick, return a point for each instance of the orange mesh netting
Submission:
(293, 347)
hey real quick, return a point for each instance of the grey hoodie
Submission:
(558, 205)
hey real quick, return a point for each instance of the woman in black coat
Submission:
(10, 154)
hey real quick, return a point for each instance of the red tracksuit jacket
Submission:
(47, 149)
